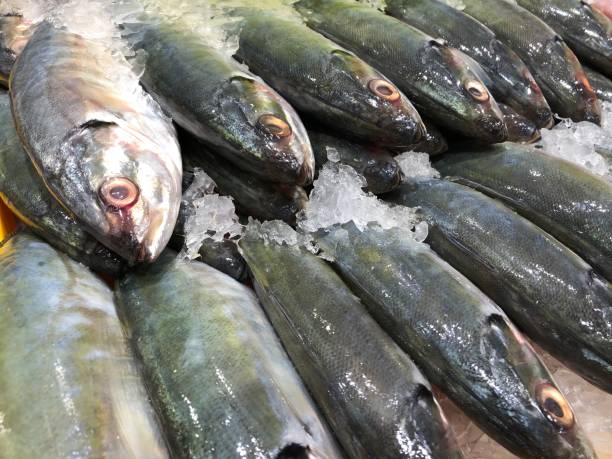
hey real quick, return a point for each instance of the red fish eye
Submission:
(384, 90)
(554, 405)
(274, 126)
(119, 192)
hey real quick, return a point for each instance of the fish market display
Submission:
(563, 199)
(434, 76)
(214, 98)
(374, 397)
(68, 386)
(520, 129)
(511, 80)
(548, 291)
(380, 170)
(102, 147)
(587, 31)
(24, 192)
(14, 34)
(325, 81)
(601, 85)
(217, 374)
(553, 65)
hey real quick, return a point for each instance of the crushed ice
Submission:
(279, 232)
(414, 164)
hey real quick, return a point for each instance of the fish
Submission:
(462, 341)
(545, 288)
(213, 97)
(219, 378)
(433, 75)
(601, 85)
(374, 397)
(511, 82)
(520, 129)
(102, 147)
(23, 191)
(15, 32)
(554, 66)
(381, 172)
(325, 81)
(560, 197)
(433, 143)
(587, 31)
(69, 384)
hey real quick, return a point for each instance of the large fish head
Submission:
(123, 186)
(267, 125)
(375, 102)
(524, 94)
(459, 95)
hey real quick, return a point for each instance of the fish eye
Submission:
(274, 126)
(384, 90)
(119, 193)
(554, 406)
(477, 90)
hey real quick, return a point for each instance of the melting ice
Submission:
(415, 164)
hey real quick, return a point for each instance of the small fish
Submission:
(511, 81)
(520, 129)
(70, 387)
(103, 148)
(601, 85)
(220, 380)
(434, 76)
(15, 32)
(562, 198)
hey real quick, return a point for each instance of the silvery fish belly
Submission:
(102, 146)
(69, 387)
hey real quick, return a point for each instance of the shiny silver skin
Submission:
(217, 374)
(520, 129)
(511, 81)
(560, 197)
(433, 75)
(462, 341)
(69, 387)
(553, 65)
(373, 395)
(601, 85)
(15, 31)
(103, 148)
(545, 288)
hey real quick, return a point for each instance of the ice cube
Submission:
(416, 164)
(279, 232)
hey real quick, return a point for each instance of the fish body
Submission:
(553, 65)
(327, 82)
(68, 386)
(374, 397)
(462, 341)
(218, 376)
(545, 288)
(601, 85)
(563, 199)
(520, 129)
(103, 148)
(434, 76)
(15, 31)
(511, 80)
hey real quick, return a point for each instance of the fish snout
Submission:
(492, 129)
(544, 118)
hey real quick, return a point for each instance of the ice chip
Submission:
(279, 232)
(332, 154)
(416, 164)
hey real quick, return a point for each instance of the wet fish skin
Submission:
(434, 76)
(601, 84)
(434, 142)
(520, 129)
(546, 289)
(563, 199)
(69, 387)
(352, 368)
(587, 31)
(381, 172)
(14, 34)
(72, 116)
(326, 82)
(22, 189)
(218, 376)
(230, 109)
(511, 80)
(553, 65)
(462, 341)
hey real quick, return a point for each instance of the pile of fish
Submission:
(282, 229)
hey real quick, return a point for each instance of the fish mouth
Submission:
(544, 118)
(494, 129)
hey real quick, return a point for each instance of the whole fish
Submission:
(434, 76)
(587, 31)
(546, 289)
(553, 65)
(68, 386)
(373, 395)
(22, 189)
(218, 376)
(520, 129)
(327, 82)
(562, 198)
(101, 145)
(380, 170)
(511, 80)
(601, 85)
(214, 98)
(14, 34)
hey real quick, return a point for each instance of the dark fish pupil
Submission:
(119, 192)
(273, 129)
(475, 92)
(553, 407)
(384, 90)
